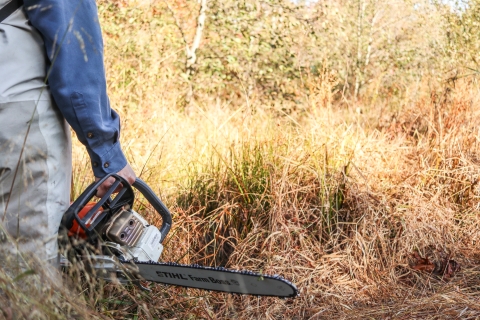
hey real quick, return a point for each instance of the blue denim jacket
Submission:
(76, 76)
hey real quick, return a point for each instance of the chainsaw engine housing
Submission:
(135, 235)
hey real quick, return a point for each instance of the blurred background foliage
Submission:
(279, 50)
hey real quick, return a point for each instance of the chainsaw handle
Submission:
(124, 196)
(151, 197)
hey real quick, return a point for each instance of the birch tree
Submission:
(192, 46)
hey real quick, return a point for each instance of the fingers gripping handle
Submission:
(105, 204)
(151, 197)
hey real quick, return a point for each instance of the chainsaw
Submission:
(123, 247)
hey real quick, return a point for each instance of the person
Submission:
(51, 70)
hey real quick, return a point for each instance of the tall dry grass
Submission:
(336, 197)
(337, 200)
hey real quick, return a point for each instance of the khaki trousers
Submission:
(35, 146)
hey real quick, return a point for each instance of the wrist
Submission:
(112, 161)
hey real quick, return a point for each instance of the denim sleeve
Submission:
(76, 76)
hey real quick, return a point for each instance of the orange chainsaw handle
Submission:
(76, 230)
(83, 215)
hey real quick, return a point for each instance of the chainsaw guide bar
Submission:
(216, 279)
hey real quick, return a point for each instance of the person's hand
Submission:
(127, 173)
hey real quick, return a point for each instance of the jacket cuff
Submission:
(111, 162)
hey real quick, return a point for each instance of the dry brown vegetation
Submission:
(349, 165)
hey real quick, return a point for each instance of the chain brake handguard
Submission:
(124, 198)
(104, 208)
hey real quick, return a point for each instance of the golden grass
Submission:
(334, 198)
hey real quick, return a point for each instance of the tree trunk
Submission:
(191, 51)
(358, 72)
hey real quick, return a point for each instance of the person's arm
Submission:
(76, 76)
